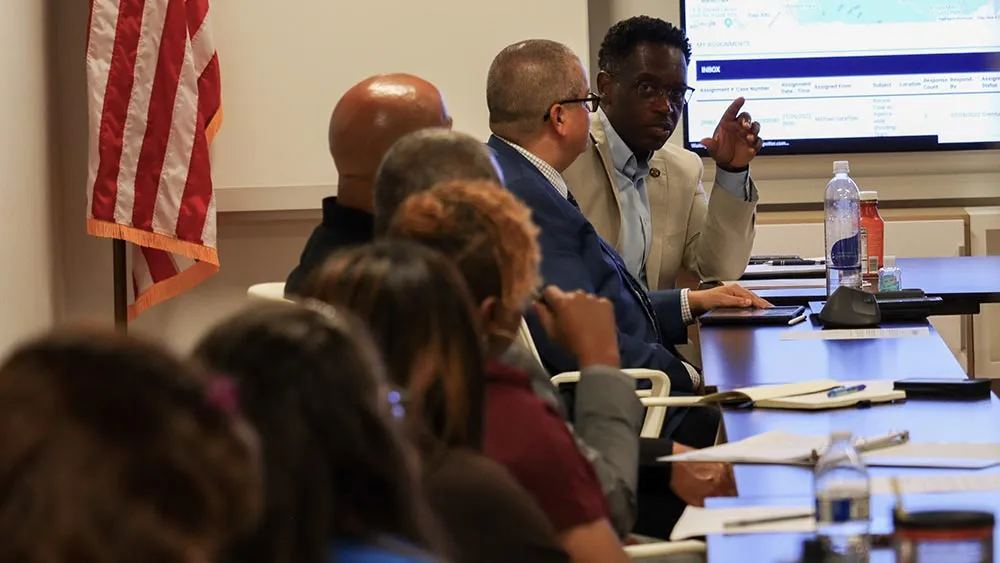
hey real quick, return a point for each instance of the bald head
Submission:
(370, 117)
(423, 159)
(525, 80)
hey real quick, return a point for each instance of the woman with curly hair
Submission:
(404, 291)
(420, 313)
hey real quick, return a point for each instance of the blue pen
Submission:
(839, 391)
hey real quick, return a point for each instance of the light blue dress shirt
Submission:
(630, 175)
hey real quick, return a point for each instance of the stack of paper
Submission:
(785, 448)
(857, 333)
(934, 484)
(698, 522)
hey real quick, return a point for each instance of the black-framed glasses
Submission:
(591, 102)
(651, 91)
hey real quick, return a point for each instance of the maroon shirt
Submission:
(531, 440)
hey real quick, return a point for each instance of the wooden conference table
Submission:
(963, 282)
(736, 357)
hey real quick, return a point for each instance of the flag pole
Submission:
(120, 279)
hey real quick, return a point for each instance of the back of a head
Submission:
(114, 451)
(337, 469)
(425, 158)
(373, 114)
(485, 230)
(422, 317)
(525, 80)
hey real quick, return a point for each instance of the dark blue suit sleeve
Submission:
(565, 259)
(667, 305)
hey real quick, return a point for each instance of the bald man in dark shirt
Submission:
(366, 121)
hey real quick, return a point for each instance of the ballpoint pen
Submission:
(841, 391)
(798, 319)
(862, 445)
(797, 262)
(767, 520)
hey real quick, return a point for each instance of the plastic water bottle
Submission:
(842, 205)
(843, 494)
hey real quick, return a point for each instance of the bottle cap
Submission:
(841, 166)
(869, 195)
(889, 261)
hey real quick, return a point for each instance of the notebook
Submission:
(875, 392)
(761, 396)
(807, 395)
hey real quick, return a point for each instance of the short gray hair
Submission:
(524, 81)
(422, 159)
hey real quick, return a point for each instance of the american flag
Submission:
(154, 96)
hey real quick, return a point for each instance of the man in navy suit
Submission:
(539, 113)
(539, 103)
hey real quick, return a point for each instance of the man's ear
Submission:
(558, 117)
(604, 83)
(448, 123)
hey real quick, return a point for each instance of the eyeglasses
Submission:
(591, 102)
(651, 91)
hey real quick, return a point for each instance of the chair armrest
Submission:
(655, 414)
(273, 291)
(659, 380)
(642, 551)
(672, 402)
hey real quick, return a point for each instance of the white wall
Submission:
(801, 179)
(282, 75)
(256, 247)
(281, 78)
(25, 287)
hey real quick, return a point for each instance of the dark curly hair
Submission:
(623, 38)
(485, 230)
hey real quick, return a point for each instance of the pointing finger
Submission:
(734, 109)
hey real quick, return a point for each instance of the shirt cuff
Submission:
(693, 374)
(686, 315)
(738, 184)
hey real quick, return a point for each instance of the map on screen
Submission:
(827, 76)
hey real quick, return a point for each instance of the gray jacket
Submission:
(608, 417)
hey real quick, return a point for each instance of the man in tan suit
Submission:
(646, 197)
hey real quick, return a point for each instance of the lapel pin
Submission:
(654, 172)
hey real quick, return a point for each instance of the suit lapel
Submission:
(600, 140)
(658, 193)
